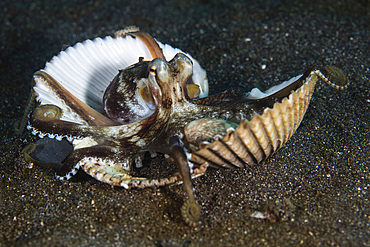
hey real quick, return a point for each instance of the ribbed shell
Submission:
(256, 139)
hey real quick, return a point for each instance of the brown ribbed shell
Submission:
(256, 139)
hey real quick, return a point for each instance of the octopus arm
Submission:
(69, 102)
(45, 121)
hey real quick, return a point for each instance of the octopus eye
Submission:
(183, 65)
(153, 69)
(160, 69)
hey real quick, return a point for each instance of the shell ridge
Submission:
(270, 128)
(296, 112)
(220, 149)
(258, 130)
(305, 96)
(235, 143)
(249, 140)
(216, 157)
(235, 159)
(206, 156)
(276, 115)
(285, 110)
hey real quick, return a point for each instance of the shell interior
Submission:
(255, 93)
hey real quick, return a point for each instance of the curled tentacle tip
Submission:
(191, 212)
(26, 152)
(336, 77)
(47, 152)
(47, 112)
(17, 128)
(126, 30)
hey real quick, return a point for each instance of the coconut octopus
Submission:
(92, 118)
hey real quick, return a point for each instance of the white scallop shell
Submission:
(87, 68)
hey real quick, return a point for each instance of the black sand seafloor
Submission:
(313, 192)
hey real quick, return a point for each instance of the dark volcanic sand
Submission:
(316, 188)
